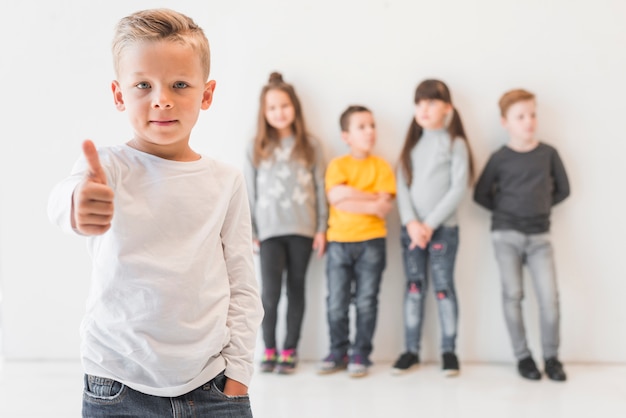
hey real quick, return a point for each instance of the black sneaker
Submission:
(528, 369)
(450, 366)
(405, 363)
(554, 370)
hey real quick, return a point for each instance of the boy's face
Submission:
(431, 113)
(279, 111)
(162, 87)
(361, 134)
(520, 120)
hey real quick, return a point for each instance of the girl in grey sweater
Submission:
(435, 170)
(284, 173)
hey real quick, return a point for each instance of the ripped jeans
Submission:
(440, 256)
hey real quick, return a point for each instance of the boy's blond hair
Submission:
(156, 25)
(511, 97)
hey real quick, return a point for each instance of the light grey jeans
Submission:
(513, 249)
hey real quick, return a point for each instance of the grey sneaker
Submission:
(405, 362)
(358, 366)
(332, 364)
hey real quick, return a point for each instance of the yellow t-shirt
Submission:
(372, 174)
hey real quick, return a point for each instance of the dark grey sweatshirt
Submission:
(520, 188)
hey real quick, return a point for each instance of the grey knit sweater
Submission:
(286, 197)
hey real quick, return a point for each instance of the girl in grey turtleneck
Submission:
(434, 171)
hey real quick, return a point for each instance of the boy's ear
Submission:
(345, 137)
(503, 121)
(117, 96)
(207, 95)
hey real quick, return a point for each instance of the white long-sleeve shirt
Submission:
(174, 299)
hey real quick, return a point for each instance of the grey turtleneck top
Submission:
(440, 170)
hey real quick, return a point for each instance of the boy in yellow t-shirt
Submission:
(360, 189)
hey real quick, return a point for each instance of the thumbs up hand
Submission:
(92, 201)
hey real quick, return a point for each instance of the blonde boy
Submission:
(360, 189)
(174, 308)
(520, 184)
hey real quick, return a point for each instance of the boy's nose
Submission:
(161, 100)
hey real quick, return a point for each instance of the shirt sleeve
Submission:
(405, 204)
(484, 192)
(60, 203)
(459, 169)
(319, 171)
(245, 310)
(386, 179)
(561, 182)
(60, 198)
(250, 173)
(334, 175)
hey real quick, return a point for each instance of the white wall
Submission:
(56, 68)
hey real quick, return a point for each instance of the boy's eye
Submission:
(143, 85)
(180, 85)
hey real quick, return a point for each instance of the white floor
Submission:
(53, 390)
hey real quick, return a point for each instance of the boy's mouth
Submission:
(163, 122)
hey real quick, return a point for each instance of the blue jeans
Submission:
(354, 271)
(290, 254)
(513, 249)
(440, 254)
(107, 398)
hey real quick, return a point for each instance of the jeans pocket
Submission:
(217, 387)
(102, 388)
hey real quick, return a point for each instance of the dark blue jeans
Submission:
(354, 271)
(106, 398)
(440, 255)
(286, 256)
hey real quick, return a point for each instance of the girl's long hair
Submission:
(432, 90)
(267, 139)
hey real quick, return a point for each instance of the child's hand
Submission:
(338, 193)
(319, 244)
(428, 231)
(234, 388)
(418, 234)
(256, 246)
(92, 201)
(382, 205)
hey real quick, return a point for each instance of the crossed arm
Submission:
(353, 200)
